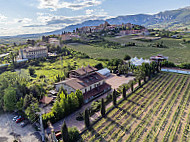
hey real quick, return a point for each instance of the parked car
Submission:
(24, 123)
(16, 117)
(19, 120)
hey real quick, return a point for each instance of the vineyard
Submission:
(158, 111)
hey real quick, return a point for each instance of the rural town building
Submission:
(54, 41)
(86, 79)
(33, 52)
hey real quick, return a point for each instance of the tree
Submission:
(31, 71)
(103, 110)
(58, 110)
(64, 132)
(114, 98)
(12, 56)
(127, 57)
(10, 99)
(27, 101)
(124, 92)
(99, 66)
(139, 82)
(31, 111)
(80, 97)
(86, 119)
(132, 87)
(20, 103)
(74, 134)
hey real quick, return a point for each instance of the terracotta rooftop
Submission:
(94, 92)
(84, 70)
(46, 100)
(80, 83)
(28, 49)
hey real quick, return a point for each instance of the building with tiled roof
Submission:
(159, 58)
(33, 52)
(86, 79)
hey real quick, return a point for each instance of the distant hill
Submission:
(173, 19)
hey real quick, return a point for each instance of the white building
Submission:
(138, 62)
(33, 52)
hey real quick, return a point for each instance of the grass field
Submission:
(177, 51)
(51, 70)
(158, 111)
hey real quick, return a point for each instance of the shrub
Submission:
(127, 57)
(74, 134)
(31, 71)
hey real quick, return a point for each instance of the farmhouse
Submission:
(86, 79)
(33, 52)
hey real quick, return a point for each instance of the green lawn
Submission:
(51, 70)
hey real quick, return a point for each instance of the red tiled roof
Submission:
(84, 70)
(46, 100)
(94, 92)
(80, 83)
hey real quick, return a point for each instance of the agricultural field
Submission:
(158, 111)
(177, 51)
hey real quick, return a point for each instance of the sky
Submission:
(38, 16)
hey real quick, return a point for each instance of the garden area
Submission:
(157, 111)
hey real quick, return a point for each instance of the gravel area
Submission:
(9, 129)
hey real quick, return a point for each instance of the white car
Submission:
(16, 117)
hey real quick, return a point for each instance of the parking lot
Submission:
(9, 129)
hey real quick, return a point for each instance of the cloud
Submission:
(76, 5)
(89, 11)
(23, 20)
(48, 19)
(3, 19)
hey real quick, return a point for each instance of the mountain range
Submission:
(171, 19)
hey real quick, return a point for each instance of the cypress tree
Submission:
(103, 109)
(144, 78)
(114, 97)
(64, 132)
(132, 89)
(139, 82)
(124, 92)
(86, 119)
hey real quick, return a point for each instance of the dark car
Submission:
(24, 123)
(19, 120)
